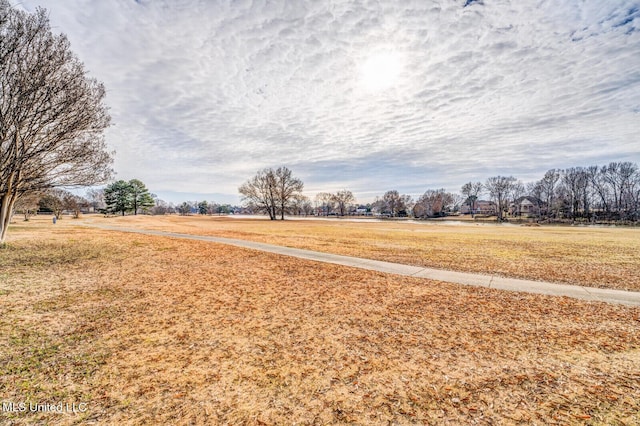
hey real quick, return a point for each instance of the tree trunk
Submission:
(6, 207)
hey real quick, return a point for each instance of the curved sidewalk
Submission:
(630, 298)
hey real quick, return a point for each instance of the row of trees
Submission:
(393, 204)
(55, 201)
(338, 203)
(606, 192)
(610, 192)
(118, 197)
(197, 207)
(277, 192)
(121, 197)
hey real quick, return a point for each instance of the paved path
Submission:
(491, 281)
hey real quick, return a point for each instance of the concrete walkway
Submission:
(630, 298)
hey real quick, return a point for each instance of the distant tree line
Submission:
(132, 197)
(595, 193)
(57, 201)
(610, 192)
(117, 198)
(338, 203)
(588, 194)
(199, 207)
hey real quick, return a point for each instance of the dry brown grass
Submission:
(593, 257)
(151, 330)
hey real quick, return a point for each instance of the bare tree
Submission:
(471, 190)
(27, 204)
(214, 208)
(620, 177)
(378, 205)
(259, 192)
(600, 188)
(547, 187)
(96, 199)
(499, 188)
(456, 201)
(634, 191)
(52, 116)
(300, 205)
(307, 207)
(53, 200)
(517, 190)
(433, 203)
(397, 204)
(160, 207)
(325, 203)
(287, 187)
(184, 209)
(392, 202)
(271, 191)
(575, 183)
(74, 203)
(343, 199)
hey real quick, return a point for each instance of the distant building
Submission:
(526, 206)
(482, 207)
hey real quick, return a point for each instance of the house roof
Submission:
(528, 199)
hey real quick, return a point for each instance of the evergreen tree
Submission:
(118, 197)
(140, 196)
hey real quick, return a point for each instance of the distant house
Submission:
(482, 207)
(526, 206)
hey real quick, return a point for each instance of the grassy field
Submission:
(153, 330)
(593, 257)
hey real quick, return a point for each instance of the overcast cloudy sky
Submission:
(364, 95)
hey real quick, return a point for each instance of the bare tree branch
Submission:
(52, 116)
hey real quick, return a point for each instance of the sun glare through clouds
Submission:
(366, 96)
(381, 71)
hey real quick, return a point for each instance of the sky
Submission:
(365, 95)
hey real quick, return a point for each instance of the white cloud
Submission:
(203, 93)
